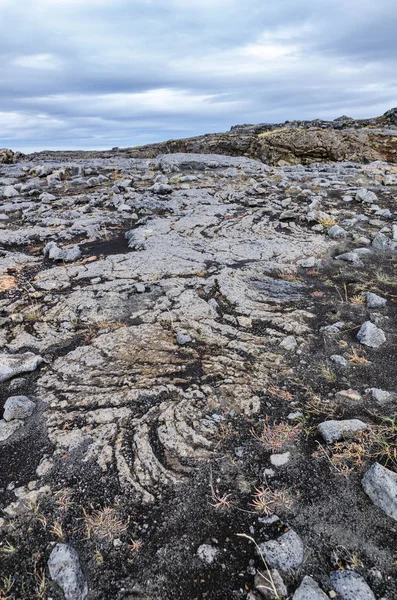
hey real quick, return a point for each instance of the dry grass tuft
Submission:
(276, 392)
(277, 437)
(220, 502)
(328, 221)
(268, 501)
(356, 357)
(357, 299)
(104, 524)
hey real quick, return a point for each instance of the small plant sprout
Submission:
(220, 502)
(357, 299)
(267, 501)
(7, 548)
(57, 529)
(6, 585)
(104, 524)
(135, 545)
(328, 221)
(277, 437)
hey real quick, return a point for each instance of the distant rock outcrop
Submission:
(289, 143)
(8, 157)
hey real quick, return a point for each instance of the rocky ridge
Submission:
(197, 365)
(289, 143)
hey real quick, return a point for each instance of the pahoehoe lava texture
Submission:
(169, 368)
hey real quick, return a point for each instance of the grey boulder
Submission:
(333, 431)
(309, 590)
(285, 553)
(182, 338)
(161, 188)
(352, 257)
(8, 428)
(381, 396)
(14, 364)
(382, 242)
(374, 301)
(336, 232)
(54, 252)
(366, 196)
(380, 484)
(339, 360)
(18, 407)
(370, 335)
(289, 343)
(351, 586)
(65, 570)
(10, 192)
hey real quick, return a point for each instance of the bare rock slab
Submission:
(351, 586)
(65, 570)
(309, 590)
(333, 431)
(14, 364)
(380, 484)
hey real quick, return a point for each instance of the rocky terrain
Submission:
(198, 385)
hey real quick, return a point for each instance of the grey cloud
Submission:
(100, 73)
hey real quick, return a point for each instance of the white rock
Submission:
(18, 407)
(8, 428)
(380, 484)
(13, 364)
(279, 460)
(333, 431)
(65, 570)
(207, 553)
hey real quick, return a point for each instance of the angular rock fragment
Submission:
(10, 192)
(366, 196)
(349, 395)
(370, 335)
(309, 590)
(18, 407)
(352, 257)
(183, 338)
(65, 570)
(270, 584)
(14, 364)
(334, 328)
(382, 242)
(54, 252)
(289, 343)
(351, 586)
(285, 553)
(333, 431)
(374, 301)
(339, 360)
(381, 396)
(336, 232)
(8, 428)
(279, 460)
(380, 484)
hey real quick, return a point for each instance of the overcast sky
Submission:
(103, 73)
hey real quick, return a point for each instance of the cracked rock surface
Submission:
(180, 328)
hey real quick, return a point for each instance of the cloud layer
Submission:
(103, 73)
